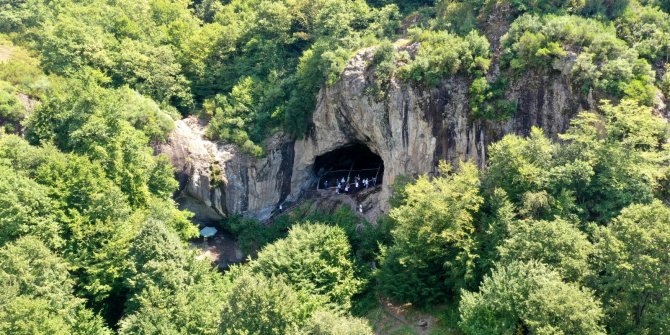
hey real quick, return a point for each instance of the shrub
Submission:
(383, 66)
(487, 100)
(603, 62)
(313, 258)
(529, 297)
(12, 112)
(647, 30)
(442, 54)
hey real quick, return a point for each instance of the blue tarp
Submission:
(208, 231)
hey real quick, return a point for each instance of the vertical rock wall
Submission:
(216, 180)
(411, 128)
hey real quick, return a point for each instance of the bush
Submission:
(603, 63)
(647, 30)
(252, 234)
(458, 17)
(365, 237)
(442, 54)
(12, 112)
(313, 258)
(665, 81)
(327, 323)
(487, 100)
(234, 117)
(22, 71)
(529, 297)
(383, 66)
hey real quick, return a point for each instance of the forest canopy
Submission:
(565, 234)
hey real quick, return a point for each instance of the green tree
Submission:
(259, 305)
(84, 117)
(609, 159)
(137, 43)
(170, 291)
(625, 150)
(496, 218)
(556, 243)
(290, 49)
(38, 293)
(314, 258)
(97, 222)
(433, 240)
(633, 261)
(94, 221)
(519, 165)
(26, 209)
(529, 298)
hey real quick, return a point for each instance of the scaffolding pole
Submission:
(377, 174)
(350, 169)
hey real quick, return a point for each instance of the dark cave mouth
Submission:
(348, 161)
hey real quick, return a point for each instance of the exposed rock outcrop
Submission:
(411, 128)
(216, 179)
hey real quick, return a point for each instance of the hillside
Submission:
(372, 167)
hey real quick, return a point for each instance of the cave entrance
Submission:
(354, 162)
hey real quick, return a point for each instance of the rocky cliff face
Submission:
(411, 129)
(217, 180)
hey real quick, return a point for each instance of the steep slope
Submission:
(412, 128)
(217, 179)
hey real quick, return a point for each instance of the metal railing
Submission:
(339, 173)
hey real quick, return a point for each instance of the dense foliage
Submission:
(529, 298)
(433, 237)
(566, 235)
(570, 231)
(602, 61)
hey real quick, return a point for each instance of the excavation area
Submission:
(349, 169)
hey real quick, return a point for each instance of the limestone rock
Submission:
(216, 179)
(411, 128)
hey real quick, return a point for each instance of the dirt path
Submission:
(221, 249)
(5, 53)
(396, 319)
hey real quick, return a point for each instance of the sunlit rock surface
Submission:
(411, 128)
